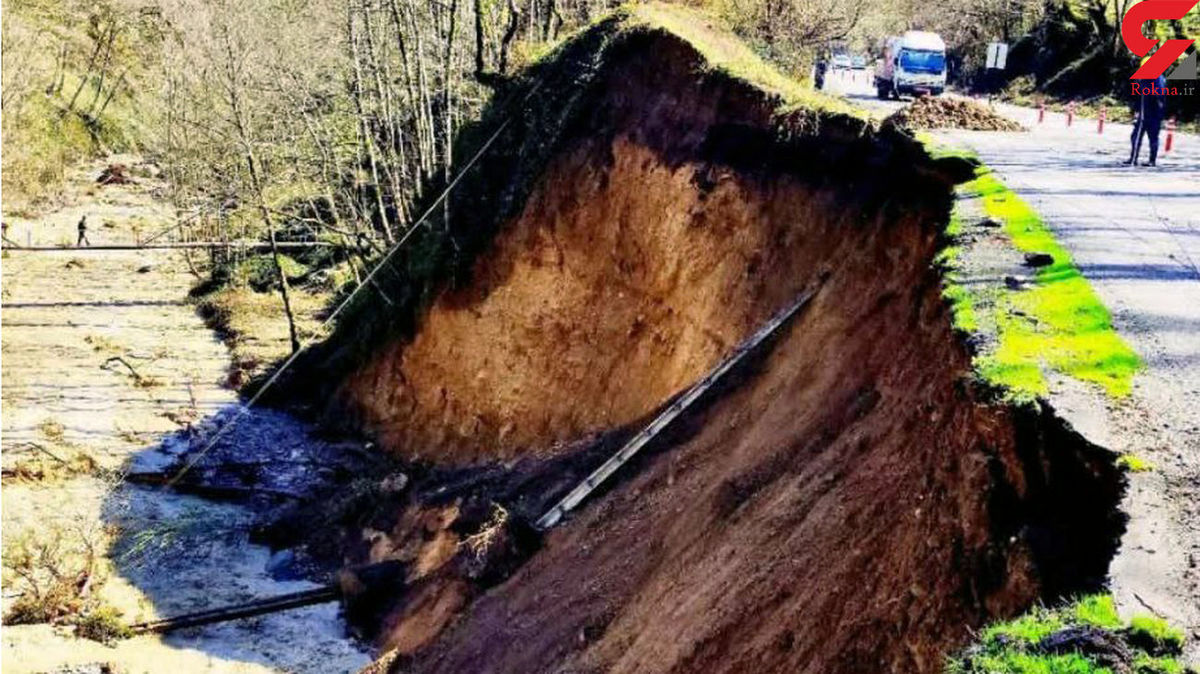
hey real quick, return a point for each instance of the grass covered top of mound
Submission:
(946, 112)
(725, 52)
(539, 112)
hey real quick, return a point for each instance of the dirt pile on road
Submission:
(856, 504)
(948, 112)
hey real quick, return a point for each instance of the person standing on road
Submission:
(819, 75)
(1151, 109)
(83, 240)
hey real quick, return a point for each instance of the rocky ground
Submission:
(107, 365)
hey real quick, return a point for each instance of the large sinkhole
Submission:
(856, 502)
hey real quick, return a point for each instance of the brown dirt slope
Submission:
(852, 509)
(856, 506)
(670, 223)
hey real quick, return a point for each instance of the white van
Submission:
(914, 63)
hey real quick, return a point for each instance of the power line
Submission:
(238, 245)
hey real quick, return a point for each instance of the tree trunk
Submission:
(236, 113)
(112, 35)
(86, 75)
(514, 21)
(364, 128)
(111, 93)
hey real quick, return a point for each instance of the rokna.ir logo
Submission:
(1168, 51)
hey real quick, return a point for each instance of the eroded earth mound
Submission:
(854, 503)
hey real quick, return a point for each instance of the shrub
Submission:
(259, 272)
(103, 624)
(57, 572)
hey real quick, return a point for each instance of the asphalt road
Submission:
(1135, 234)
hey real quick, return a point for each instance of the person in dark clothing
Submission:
(83, 240)
(819, 75)
(1151, 108)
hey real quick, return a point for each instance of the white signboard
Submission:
(997, 55)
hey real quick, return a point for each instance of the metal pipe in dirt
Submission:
(663, 420)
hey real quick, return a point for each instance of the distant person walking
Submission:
(1150, 109)
(83, 240)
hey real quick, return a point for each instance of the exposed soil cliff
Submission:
(670, 224)
(856, 505)
(853, 508)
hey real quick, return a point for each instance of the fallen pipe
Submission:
(352, 584)
(250, 609)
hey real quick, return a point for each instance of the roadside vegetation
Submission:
(724, 53)
(1055, 323)
(1059, 322)
(1081, 637)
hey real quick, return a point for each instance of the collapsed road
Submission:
(1135, 235)
(670, 374)
(647, 215)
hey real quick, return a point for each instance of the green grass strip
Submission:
(1012, 647)
(1057, 324)
(724, 51)
(1157, 630)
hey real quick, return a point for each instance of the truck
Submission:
(913, 64)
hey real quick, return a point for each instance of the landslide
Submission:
(857, 505)
(667, 216)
